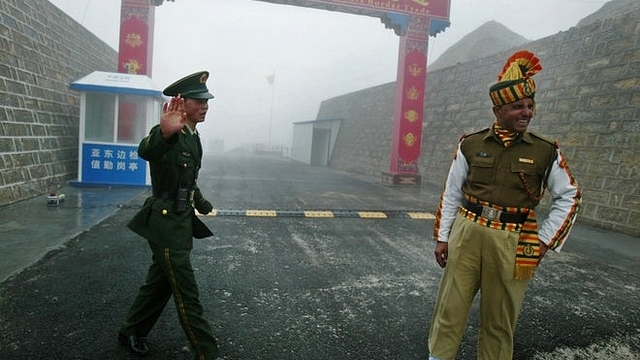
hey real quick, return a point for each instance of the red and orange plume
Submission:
(514, 81)
(521, 65)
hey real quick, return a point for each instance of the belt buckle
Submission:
(491, 213)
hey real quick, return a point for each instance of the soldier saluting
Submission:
(169, 223)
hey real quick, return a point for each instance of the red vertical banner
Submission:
(406, 140)
(136, 37)
(412, 110)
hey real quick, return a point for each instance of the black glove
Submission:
(204, 206)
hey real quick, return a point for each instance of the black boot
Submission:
(136, 344)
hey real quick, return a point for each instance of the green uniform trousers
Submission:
(480, 258)
(171, 274)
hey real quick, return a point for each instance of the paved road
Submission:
(290, 287)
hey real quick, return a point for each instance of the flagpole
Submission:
(272, 80)
(273, 92)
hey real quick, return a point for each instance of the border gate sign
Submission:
(432, 9)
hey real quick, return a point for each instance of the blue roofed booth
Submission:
(116, 111)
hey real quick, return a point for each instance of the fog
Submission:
(313, 54)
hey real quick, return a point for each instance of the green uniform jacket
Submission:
(173, 164)
(495, 171)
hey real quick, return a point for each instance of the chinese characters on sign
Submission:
(112, 164)
(106, 160)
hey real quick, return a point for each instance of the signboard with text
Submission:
(429, 8)
(112, 164)
(438, 8)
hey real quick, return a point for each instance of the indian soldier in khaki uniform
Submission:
(487, 235)
(169, 223)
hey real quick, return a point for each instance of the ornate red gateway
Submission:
(413, 20)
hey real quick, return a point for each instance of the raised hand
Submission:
(173, 117)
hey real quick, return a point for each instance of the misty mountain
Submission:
(611, 9)
(488, 39)
(493, 37)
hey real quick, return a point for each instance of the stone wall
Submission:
(364, 144)
(42, 50)
(588, 99)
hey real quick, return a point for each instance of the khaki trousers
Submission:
(480, 258)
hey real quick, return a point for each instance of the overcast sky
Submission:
(315, 54)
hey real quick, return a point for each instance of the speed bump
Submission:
(358, 214)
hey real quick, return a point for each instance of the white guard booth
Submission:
(116, 111)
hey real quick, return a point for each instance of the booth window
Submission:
(99, 117)
(132, 111)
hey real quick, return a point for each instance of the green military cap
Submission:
(192, 86)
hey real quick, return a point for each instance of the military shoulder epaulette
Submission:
(552, 142)
(463, 136)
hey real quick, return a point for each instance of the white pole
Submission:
(273, 93)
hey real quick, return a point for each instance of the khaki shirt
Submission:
(495, 171)
(485, 169)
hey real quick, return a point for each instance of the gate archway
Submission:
(412, 20)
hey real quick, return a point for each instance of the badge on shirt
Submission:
(483, 154)
(526, 161)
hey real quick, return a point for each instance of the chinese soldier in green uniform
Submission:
(169, 223)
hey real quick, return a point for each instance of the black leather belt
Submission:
(494, 214)
(162, 194)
